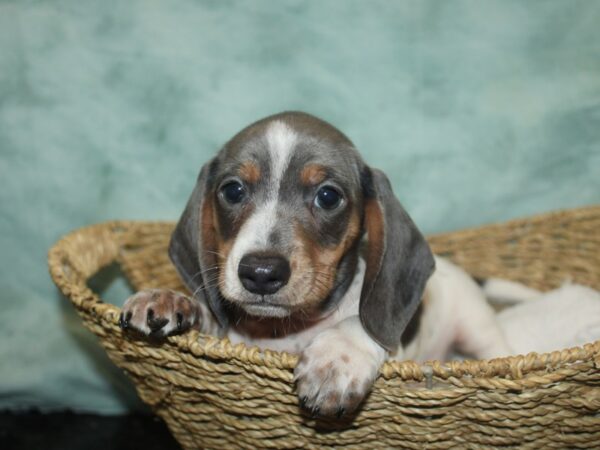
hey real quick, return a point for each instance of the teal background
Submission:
(479, 111)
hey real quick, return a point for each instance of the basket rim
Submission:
(508, 372)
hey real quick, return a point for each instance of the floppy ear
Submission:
(193, 245)
(399, 263)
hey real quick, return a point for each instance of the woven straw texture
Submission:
(215, 395)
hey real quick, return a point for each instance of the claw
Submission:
(315, 411)
(124, 322)
(303, 401)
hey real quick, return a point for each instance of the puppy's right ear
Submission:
(193, 245)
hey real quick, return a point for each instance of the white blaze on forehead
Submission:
(281, 140)
(254, 234)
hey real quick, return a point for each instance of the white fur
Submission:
(456, 313)
(281, 140)
(338, 367)
(502, 291)
(562, 318)
(254, 234)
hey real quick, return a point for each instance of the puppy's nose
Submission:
(263, 274)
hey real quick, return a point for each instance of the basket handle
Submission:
(77, 257)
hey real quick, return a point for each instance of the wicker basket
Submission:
(215, 395)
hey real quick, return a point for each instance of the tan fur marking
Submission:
(374, 228)
(224, 247)
(425, 298)
(313, 174)
(207, 226)
(323, 261)
(323, 371)
(249, 172)
(217, 249)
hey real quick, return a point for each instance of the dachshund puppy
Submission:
(291, 242)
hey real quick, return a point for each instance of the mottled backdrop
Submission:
(479, 111)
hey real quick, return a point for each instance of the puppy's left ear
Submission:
(399, 263)
(193, 246)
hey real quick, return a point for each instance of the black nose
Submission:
(263, 274)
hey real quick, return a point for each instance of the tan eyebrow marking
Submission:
(249, 172)
(313, 174)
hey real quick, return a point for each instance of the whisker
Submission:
(216, 253)
(208, 269)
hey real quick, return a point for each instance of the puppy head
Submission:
(275, 220)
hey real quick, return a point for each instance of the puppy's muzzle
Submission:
(263, 274)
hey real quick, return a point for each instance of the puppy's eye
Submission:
(233, 192)
(328, 198)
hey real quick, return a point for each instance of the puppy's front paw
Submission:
(159, 312)
(333, 375)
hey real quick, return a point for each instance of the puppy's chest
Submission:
(293, 335)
